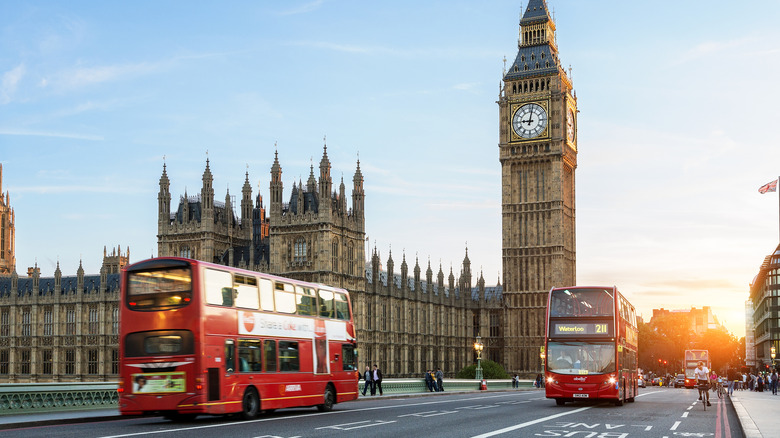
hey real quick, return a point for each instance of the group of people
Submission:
(761, 382)
(434, 380)
(373, 380)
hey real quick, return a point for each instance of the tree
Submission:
(490, 370)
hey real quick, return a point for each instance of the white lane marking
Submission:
(313, 414)
(685, 414)
(356, 425)
(530, 423)
(676, 423)
(428, 414)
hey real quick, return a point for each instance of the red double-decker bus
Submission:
(591, 345)
(200, 338)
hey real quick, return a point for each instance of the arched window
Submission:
(300, 250)
(334, 253)
(351, 258)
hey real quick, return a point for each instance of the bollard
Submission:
(483, 385)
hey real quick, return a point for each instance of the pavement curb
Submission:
(745, 420)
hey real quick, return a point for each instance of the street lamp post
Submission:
(773, 354)
(478, 347)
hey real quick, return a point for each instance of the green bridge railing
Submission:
(23, 398)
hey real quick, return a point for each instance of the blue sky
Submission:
(677, 129)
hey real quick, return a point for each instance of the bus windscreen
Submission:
(159, 289)
(582, 302)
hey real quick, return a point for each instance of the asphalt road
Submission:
(657, 412)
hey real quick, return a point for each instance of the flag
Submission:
(768, 187)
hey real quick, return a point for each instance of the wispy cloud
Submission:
(10, 82)
(21, 132)
(85, 76)
(303, 9)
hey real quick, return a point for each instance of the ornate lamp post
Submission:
(773, 354)
(478, 347)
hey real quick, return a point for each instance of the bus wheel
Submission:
(619, 402)
(560, 401)
(630, 399)
(250, 404)
(329, 399)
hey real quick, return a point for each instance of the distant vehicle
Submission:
(658, 381)
(679, 381)
(641, 382)
(692, 358)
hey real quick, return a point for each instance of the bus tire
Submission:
(619, 402)
(329, 398)
(250, 404)
(560, 401)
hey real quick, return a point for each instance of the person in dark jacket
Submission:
(429, 380)
(367, 375)
(377, 375)
(439, 380)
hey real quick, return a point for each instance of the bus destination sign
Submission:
(574, 329)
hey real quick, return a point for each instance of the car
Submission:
(641, 382)
(657, 381)
(679, 381)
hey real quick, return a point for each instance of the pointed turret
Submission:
(207, 192)
(358, 195)
(276, 187)
(326, 184)
(164, 202)
(246, 206)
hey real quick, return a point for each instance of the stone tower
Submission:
(538, 155)
(315, 236)
(7, 232)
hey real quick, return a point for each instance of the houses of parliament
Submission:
(409, 316)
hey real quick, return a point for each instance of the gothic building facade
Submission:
(7, 231)
(61, 328)
(538, 155)
(318, 235)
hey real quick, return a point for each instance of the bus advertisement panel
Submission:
(200, 338)
(591, 345)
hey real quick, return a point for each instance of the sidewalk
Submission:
(757, 412)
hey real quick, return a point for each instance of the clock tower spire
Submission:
(538, 155)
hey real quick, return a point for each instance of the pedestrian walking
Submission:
(773, 379)
(369, 378)
(439, 380)
(377, 381)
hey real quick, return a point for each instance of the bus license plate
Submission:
(580, 395)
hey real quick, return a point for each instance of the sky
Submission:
(677, 128)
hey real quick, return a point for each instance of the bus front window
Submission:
(159, 289)
(581, 357)
(582, 302)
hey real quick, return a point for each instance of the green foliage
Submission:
(668, 336)
(490, 370)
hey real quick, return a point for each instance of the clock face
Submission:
(529, 120)
(570, 125)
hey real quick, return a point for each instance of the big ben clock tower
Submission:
(538, 154)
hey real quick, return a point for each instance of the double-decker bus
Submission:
(201, 338)
(591, 345)
(691, 361)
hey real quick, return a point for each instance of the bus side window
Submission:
(349, 362)
(266, 295)
(326, 304)
(305, 301)
(288, 356)
(230, 356)
(215, 284)
(246, 289)
(250, 355)
(284, 295)
(227, 296)
(269, 360)
(342, 306)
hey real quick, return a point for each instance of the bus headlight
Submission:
(612, 380)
